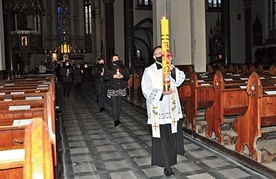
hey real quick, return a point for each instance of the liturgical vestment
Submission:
(164, 114)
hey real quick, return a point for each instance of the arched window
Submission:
(88, 16)
(214, 5)
(138, 53)
(144, 4)
(62, 24)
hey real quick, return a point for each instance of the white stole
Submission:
(155, 117)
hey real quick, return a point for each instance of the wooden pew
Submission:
(38, 108)
(184, 92)
(44, 108)
(202, 95)
(229, 100)
(272, 70)
(39, 158)
(34, 159)
(34, 83)
(261, 112)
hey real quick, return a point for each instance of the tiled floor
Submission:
(90, 146)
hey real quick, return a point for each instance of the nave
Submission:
(90, 147)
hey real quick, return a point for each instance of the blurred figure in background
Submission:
(100, 83)
(66, 73)
(93, 76)
(42, 68)
(78, 72)
(58, 76)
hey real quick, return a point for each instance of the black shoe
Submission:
(119, 122)
(116, 124)
(168, 172)
(102, 109)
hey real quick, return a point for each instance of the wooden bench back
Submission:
(38, 151)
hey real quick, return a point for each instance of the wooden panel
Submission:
(38, 156)
(14, 173)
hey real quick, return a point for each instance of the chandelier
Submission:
(27, 7)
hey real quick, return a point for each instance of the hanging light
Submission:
(27, 7)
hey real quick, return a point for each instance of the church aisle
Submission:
(90, 146)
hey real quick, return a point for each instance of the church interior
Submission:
(227, 50)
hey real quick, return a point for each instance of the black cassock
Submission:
(166, 148)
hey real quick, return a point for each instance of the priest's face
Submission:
(157, 53)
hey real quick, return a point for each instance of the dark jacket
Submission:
(66, 74)
(100, 83)
(114, 83)
(77, 75)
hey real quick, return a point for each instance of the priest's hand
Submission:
(168, 92)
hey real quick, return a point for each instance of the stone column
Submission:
(109, 28)
(129, 33)
(98, 29)
(9, 25)
(248, 28)
(225, 32)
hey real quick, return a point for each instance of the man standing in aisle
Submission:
(164, 112)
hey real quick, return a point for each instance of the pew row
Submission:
(28, 108)
(13, 95)
(260, 117)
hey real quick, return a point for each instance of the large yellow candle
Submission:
(166, 55)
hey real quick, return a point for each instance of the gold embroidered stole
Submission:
(155, 117)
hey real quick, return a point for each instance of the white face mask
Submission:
(67, 64)
(85, 66)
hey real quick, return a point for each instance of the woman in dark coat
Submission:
(100, 83)
(116, 75)
(66, 73)
(78, 72)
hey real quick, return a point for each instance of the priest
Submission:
(164, 113)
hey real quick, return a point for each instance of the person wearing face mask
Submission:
(116, 76)
(164, 113)
(78, 72)
(100, 83)
(66, 73)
